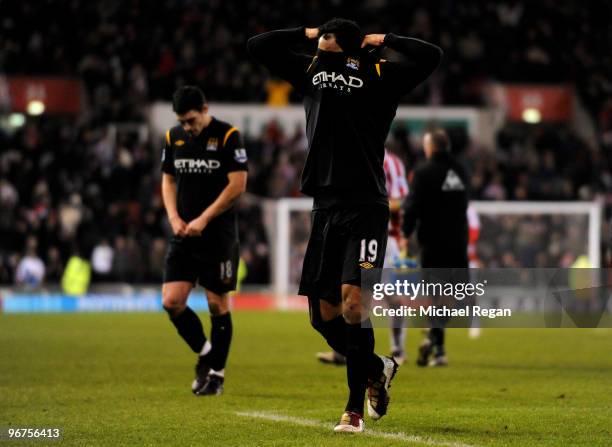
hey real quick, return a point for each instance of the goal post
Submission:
(579, 222)
(282, 255)
(590, 209)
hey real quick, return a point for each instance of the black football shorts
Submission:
(210, 261)
(343, 242)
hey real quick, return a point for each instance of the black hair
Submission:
(186, 98)
(348, 34)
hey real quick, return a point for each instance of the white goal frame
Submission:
(284, 208)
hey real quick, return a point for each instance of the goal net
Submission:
(512, 234)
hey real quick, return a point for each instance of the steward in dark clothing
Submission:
(437, 207)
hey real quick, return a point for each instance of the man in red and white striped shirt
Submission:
(397, 190)
(473, 235)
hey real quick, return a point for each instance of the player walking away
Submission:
(438, 202)
(204, 166)
(350, 97)
(474, 262)
(397, 189)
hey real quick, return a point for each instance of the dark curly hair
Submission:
(348, 34)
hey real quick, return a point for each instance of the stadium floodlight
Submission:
(16, 120)
(532, 115)
(35, 107)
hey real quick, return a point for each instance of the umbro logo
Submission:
(366, 265)
(179, 142)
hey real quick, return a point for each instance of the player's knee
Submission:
(351, 309)
(322, 314)
(318, 323)
(352, 313)
(351, 304)
(173, 303)
(214, 307)
(217, 305)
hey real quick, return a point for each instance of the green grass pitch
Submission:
(124, 379)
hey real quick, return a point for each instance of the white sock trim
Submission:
(217, 373)
(206, 349)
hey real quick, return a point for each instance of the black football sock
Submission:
(334, 332)
(361, 363)
(398, 335)
(189, 327)
(221, 338)
(436, 335)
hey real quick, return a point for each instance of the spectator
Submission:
(31, 269)
(77, 276)
(102, 261)
(74, 182)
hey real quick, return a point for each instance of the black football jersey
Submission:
(350, 102)
(200, 166)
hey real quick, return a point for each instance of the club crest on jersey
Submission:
(352, 63)
(240, 155)
(212, 144)
(179, 142)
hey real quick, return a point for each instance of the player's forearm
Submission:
(169, 195)
(224, 201)
(270, 48)
(415, 51)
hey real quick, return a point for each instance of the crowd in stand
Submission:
(66, 188)
(63, 192)
(130, 52)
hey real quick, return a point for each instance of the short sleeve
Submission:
(235, 152)
(167, 158)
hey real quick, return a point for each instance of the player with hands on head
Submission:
(350, 94)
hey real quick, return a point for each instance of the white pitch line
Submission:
(368, 432)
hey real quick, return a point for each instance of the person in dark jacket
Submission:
(351, 91)
(437, 208)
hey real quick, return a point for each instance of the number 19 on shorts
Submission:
(371, 247)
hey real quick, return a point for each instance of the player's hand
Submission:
(179, 227)
(196, 226)
(312, 33)
(375, 40)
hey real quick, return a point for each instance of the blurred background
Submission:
(524, 90)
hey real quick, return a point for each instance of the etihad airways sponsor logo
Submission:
(190, 165)
(326, 79)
